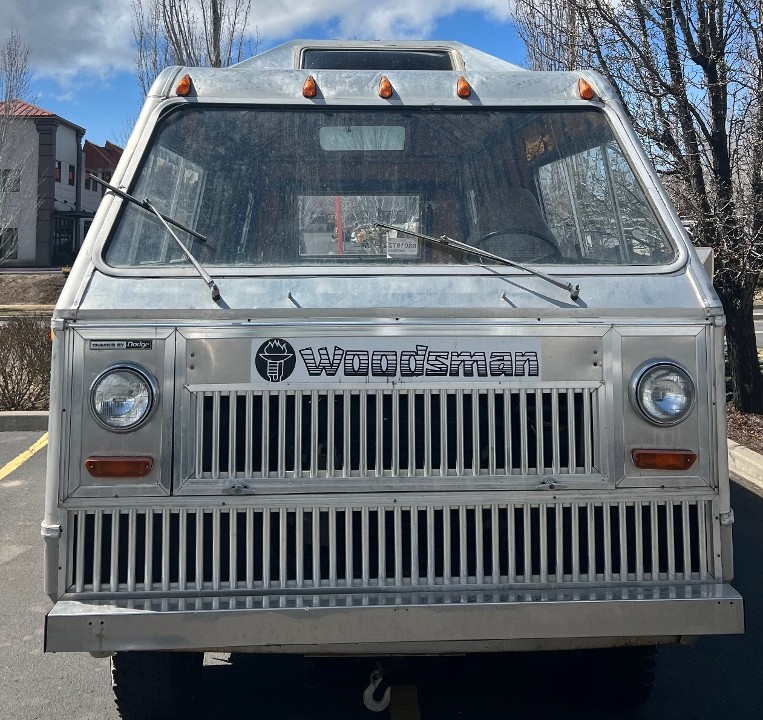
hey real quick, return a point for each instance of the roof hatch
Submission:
(375, 59)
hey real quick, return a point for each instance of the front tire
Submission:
(155, 685)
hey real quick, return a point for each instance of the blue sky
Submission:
(82, 60)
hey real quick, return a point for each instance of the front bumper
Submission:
(396, 623)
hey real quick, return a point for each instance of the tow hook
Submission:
(369, 700)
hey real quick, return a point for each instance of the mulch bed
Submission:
(745, 428)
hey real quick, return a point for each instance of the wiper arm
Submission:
(205, 276)
(166, 221)
(144, 205)
(445, 241)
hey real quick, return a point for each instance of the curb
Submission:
(746, 466)
(11, 421)
(17, 310)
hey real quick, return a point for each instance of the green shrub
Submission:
(24, 362)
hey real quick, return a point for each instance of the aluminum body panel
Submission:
(392, 623)
(288, 54)
(300, 295)
(211, 364)
(93, 352)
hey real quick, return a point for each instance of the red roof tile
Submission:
(25, 109)
(19, 108)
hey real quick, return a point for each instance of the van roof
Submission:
(292, 55)
(423, 72)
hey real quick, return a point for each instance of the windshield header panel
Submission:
(290, 187)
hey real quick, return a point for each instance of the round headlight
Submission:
(662, 391)
(122, 397)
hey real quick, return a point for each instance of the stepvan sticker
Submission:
(382, 360)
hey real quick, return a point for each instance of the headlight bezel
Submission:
(643, 372)
(145, 376)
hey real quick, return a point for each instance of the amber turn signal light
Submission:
(385, 88)
(310, 88)
(184, 86)
(663, 459)
(119, 467)
(463, 89)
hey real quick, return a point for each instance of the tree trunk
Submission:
(741, 345)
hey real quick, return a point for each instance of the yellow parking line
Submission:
(7, 469)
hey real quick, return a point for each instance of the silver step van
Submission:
(384, 349)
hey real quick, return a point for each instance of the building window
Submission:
(63, 241)
(71, 174)
(57, 171)
(9, 244)
(107, 178)
(89, 184)
(10, 180)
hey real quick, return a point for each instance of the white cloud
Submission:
(365, 19)
(79, 41)
(67, 39)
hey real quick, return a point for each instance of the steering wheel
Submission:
(553, 254)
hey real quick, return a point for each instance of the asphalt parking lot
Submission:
(717, 677)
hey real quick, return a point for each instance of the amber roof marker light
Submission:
(586, 89)
(463, 89)
(310, 87)
(385, 88)
(184, 86)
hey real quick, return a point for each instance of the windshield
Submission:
(307, 186)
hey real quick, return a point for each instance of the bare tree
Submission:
(549, 30)
(17, 198)
(690, 75)
(190, 32)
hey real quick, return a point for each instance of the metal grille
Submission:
(394, 433)
(388, 546)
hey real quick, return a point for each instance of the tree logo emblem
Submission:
(275, 360)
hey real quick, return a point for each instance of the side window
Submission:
(579, 205)
(597, 209)
(175, 186)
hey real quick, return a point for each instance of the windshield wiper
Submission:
(445, 241)
(167, 221)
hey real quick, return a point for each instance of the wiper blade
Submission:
(166, 221)
(144, 205)
(445, 241)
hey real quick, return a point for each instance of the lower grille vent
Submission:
(332, 548)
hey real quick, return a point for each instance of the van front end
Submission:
(293, 495)
(345, 374)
